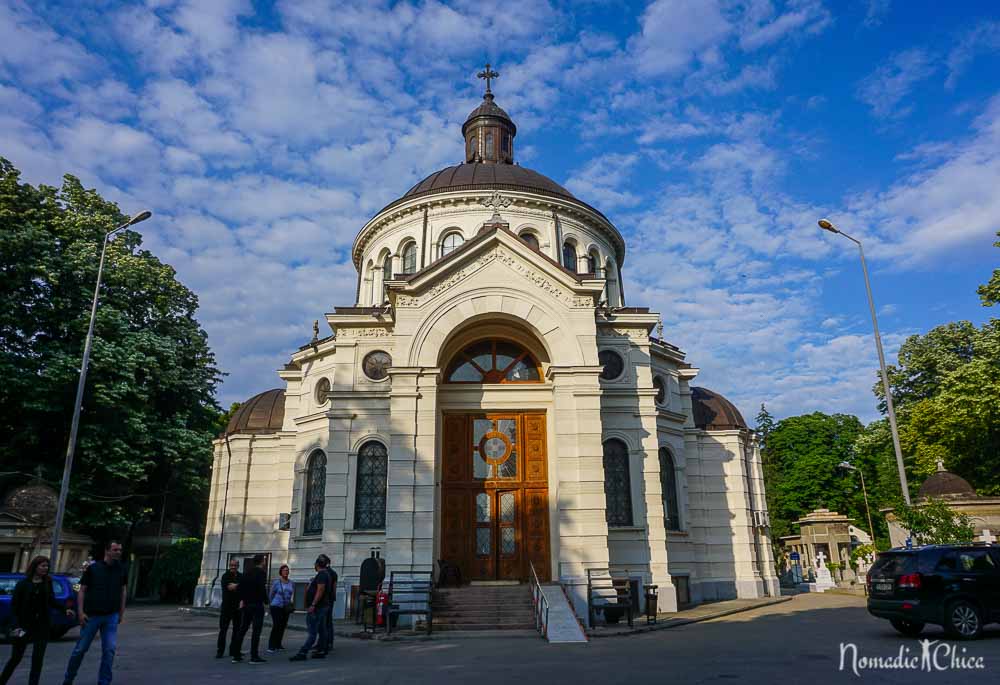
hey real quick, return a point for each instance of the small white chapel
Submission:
(493, 402)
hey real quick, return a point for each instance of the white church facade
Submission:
(489, 400)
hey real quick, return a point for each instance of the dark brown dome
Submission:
(32, 502)
(263, 413)
(477, 176)
(713, 412)
(945, 484)
(488, 108)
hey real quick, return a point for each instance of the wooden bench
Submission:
(409, 594)
(605, 591)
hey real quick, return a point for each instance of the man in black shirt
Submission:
(103, 589)
(318, 605)
(230, 610)
(252, 590)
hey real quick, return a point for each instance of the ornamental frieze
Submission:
(616, 332)
(540, 280)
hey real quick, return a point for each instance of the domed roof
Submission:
(479, 175)
(945, 484)
(488, 108)
(713, 412)
(263, 413)
(35, 502)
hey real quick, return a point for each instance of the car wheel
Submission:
(57, 632)
(906, 627)
(962, 620)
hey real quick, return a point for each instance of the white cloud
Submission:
(763, 28)
(983, 38)
(887, 86)
(676, 33)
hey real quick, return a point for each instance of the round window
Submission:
(376, 365)
(322, 390)
(661, 390)
(613, 364)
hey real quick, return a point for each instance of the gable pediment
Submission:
(497, 247)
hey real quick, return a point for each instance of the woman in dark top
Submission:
(33, 597)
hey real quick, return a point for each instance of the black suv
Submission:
(954, 586)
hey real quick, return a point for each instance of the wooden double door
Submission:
(494, 495)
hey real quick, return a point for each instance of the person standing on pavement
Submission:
(282, 606)
(252, 590)
(333, 600)
(230, 610)
(30, 604)
(318, 606)
(101, 598)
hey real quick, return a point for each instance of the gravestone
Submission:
(824, 581)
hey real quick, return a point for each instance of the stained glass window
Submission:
(493, 361)
(315, 493)
(668, 483)
(410, 259)
(569, 256)
(484, 542)
(369, 499)
(494, 448)
(507, 541)
(617, 489)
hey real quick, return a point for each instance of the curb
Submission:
(677, 622)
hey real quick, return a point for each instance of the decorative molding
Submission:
(638, 333)
(502, 255)
(371, 332)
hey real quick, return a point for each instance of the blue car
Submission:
(64, 588)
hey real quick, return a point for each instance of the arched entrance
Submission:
(494, 470)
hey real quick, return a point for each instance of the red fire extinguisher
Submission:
(381, 600)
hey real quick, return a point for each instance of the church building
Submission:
(493, 401)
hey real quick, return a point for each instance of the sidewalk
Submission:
(702, 612)
(297, 621)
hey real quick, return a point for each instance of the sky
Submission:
(713, 133)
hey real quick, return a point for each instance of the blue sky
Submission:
(714, 134)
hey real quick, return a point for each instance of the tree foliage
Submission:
(989, 292)
(175, 573)
(934, 523)
(149, 408)
(803, 454)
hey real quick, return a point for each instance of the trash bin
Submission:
(651, 600)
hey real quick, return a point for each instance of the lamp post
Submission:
(868, 512)
(827, 226)
(71, 448)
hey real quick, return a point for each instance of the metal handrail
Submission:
(540, 604)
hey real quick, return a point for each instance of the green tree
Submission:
(934, 523)
(803, 455)
(989, 292)
(175, 574)
(149, 407)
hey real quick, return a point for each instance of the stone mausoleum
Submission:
(490, 399)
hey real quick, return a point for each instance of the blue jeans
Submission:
(108, 626)
(316, 627)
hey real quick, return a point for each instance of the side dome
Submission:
(713, 412)
(944, 483)
(261, 414)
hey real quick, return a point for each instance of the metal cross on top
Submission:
(488, 74)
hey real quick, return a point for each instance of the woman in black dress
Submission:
(33, 597)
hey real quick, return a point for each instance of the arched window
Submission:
(315, 494)
(494, 361)
(488, 145)
(387, 268)
(592, 263)
(410, 259)
(661, 389)
(530, 240)
(668, 483)
(451, 242)
(569, 256)
(369, 497)
(617, 487)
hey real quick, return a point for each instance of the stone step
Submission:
(457, 627)
(519, 616)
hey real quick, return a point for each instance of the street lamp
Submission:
(71, 448)
(827, 226)
(868, 512)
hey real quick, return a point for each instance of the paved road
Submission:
(794, 642)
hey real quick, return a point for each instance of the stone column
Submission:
(409, 526)
(577, 502)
